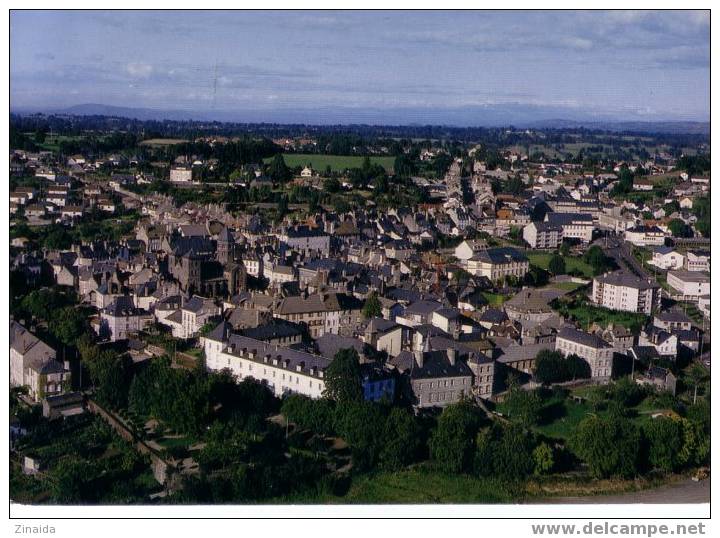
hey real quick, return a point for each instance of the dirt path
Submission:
(685, 492)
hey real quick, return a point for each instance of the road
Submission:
(684, 492)
(616, 248)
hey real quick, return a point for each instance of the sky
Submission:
(645, 64)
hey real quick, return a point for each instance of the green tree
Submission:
(343, 380)
(453, 441)
(361, 425)
(609, 445)
(665, 439)
(68, 324)
(523, 406)
(111, 376)
(505, 451)
(557, 265)
(550, 367)
(278, 170)
(679, 229)
(596, 258)
(372, 307)
(543, 459)
(402, 440)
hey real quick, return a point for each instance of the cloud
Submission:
(139, 70)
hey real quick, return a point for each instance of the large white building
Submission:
(285, 370)
(645, 236)
(33, 365)
(596, 351)
(574, 225)
(499, 263)
(624, 291)
(667, 258)
(689, 284)
(543, 235)
(181, 174)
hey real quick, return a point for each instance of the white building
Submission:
(543, 235)
(623, 291)
(689, 284)
(574, 225)
(181, 174)
(645, 236)
(667, 258)
(596, 351)
(499, 263)
(33, 365)
(697, 261)
(285, 370)
(121, 318)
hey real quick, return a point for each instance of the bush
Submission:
(610, 446)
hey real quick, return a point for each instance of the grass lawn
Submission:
(420, 485)
(494, 299)
(337, 163)
(586, 315)
(542, 260)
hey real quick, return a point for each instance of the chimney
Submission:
(419, 357)
(452, 355)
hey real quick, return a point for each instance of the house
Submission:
(433, 378)
(660, 378)
(321, 312)
(645, 236)
(671, 320)
(621, 290)
(377, 383)
(306, 172)
(285, 370)
(667, 258)
(121, 318)
(497, 264)
(181, 174)
(529, 305)
(593, 349)
(543, 235)
(469, 248)
(306, 239)
(33, 365)
(384, 335)
(578, 226)
(63, 405)
(664, 342)
(697, 260)
(690, 285)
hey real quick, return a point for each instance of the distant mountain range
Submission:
(517, 115)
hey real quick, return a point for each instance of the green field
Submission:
(420, 485)
(542, 260)
(586, 314)
(337, 163)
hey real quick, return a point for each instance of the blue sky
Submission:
(643, 64)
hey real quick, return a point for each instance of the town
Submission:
(214, 313)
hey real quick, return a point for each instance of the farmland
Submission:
(337, 163)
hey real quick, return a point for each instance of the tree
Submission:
(331, 185)
(550, 367)
(278, 170)
(609, 445)
(596, 258)
(453, 441)
(557, 265)
(679, 229)
(111, 375)
(665, 439)
(372, 307)
(697, 377)
(68, 324)
(505, 451)
(543, 459)
(402, 440)
(361, 425)
(343, 380)
(523, 406)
